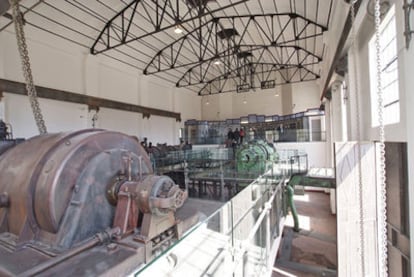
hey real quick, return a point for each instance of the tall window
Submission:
(389, 72)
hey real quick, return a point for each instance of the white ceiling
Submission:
(284, 38)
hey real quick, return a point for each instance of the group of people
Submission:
(235, 137)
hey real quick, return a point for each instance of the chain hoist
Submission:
(360, 190)
(382, 218)
(383, 190)
(27, 72)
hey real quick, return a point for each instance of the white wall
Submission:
(305, 95)
(281, 100)
(62, 65)
(59, 116)
(267, 102)
(315, 151)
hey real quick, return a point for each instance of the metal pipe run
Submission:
(290, 192)
(97, 239)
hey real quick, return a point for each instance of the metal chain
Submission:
(360, 190)
(27, 72)
(383, 193)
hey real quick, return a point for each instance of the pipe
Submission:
(289, 192)
(97, 239)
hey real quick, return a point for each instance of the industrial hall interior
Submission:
(206, 138)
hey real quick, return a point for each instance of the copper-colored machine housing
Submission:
(83, 203)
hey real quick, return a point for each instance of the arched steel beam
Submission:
(298, 56)
(261, 73)
(205, 41)
(117, 31)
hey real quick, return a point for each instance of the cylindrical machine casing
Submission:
(56, 183)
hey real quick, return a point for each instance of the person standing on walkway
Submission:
(230, 137)
(236, 135)
(241, 135)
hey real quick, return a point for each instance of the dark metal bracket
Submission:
(408, 32)
(93, 108)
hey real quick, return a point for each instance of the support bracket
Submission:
(408, 32)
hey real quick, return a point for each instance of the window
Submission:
(389, 72)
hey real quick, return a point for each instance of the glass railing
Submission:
(236, 239)
(217, 174)
(288, 135)
(239, 239)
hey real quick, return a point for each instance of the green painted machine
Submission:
(255, 158)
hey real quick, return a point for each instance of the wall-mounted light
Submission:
(276, 94)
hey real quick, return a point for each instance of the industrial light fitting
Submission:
(178, 30)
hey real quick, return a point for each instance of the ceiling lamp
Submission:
(178, 30)
(217, 62)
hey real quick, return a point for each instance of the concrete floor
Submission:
(312, 251)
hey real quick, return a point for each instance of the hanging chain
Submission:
(360, 190)
(27, 72)
(383, 193)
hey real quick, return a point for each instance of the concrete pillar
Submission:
(328, 133)
(354, 107)
(338, 104)
(287, 106)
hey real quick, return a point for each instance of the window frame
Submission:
(389, 80)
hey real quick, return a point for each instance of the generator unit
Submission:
(254, 158)
(84, 203)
